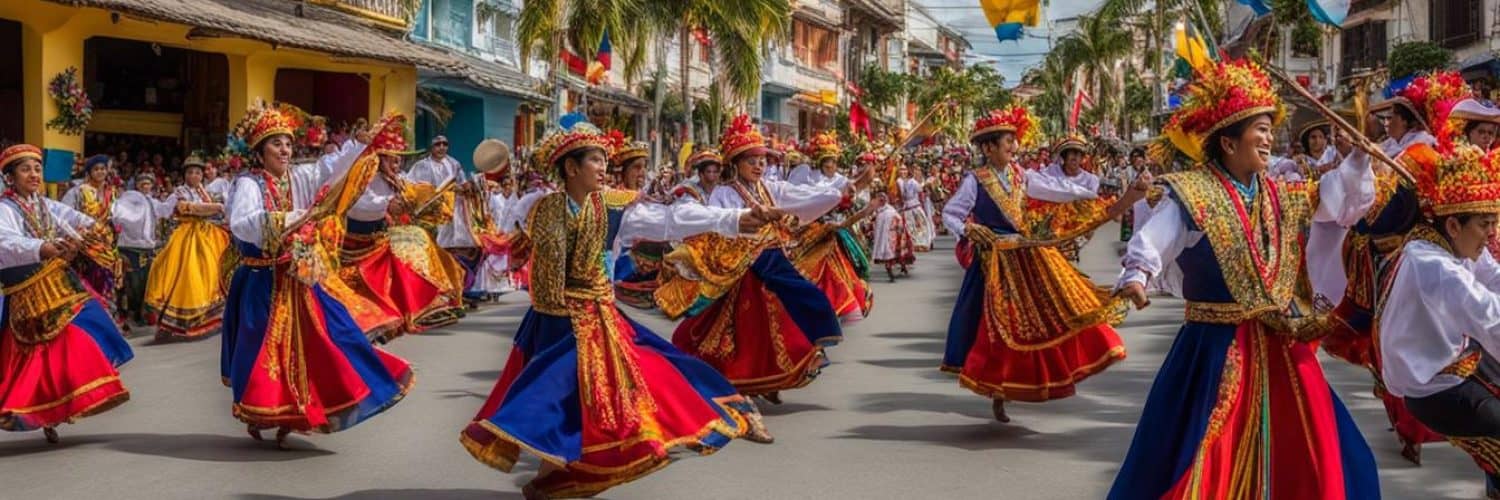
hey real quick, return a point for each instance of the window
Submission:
(1364, 46)
(814, 46)
(1456, 23)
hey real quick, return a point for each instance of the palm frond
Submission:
(539, 21)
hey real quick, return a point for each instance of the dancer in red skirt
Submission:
(59, 348)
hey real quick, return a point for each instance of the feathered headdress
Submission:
(390, 138)
(1220, 96)
(1465, 179)
(1014, 119)
(741, 138)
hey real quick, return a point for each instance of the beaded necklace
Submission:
(280, 191)
(38, 220)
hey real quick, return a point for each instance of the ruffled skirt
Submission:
(827, 264)
(1236, 412)
(67, 377)
(186, 287)
(768, 332)
(1028, 326)
(295, 356)
(562, 398)
(404, 271)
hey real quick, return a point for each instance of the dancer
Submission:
(137, 214)
(1437, 323)
(1369, 240)
(890, 242)
(455, 235)
(101, 267)
(295, 355)
(1072, 155)
(1027, 325)
(598, 397)
(59, 349)
(186, 286)
(757, 320)
(635, 263)
(390, 260)
(1240, 408)
(914, 210)
(829, 255)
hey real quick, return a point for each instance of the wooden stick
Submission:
(1359, 140)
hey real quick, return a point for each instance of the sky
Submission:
(1012, 58)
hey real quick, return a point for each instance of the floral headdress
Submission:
(391, 138)
(1014, 119)
(263, 121)
(1464, 180)
(1220, 96)
(741, 138)
(825, 145)
(622, 150)
(1433, 97)
(559, 143)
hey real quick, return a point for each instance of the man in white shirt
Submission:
(137, 214)
(1440, 323)
(457, 237)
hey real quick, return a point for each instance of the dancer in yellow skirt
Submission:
(186, 288)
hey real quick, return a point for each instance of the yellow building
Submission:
(183, 72)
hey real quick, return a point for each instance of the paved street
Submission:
(881, 422)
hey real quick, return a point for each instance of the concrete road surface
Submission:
(881, 422)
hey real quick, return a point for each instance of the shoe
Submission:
(254, 432)
(281, 435)
(1412, 452)
(998, 407)
(772, 397)
(51, 435)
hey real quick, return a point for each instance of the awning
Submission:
(494, 77)
(777, 89)
(319, 29)
(608, 94)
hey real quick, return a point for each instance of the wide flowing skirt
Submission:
(919, 227)
(185, 288)
(404, 271)
(768, 332)
(637, 274)
(1028, 326)
(1237, 412)
(890, 242)
(469, 259)
(65, 378)
(826, 264)
(602, 398)
(295, 357)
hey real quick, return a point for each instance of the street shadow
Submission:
(957, 404)
(35, 444)
(460, 394)
(789, 408)
(902, 363)
(971, 437)
(909, 335)
(212, 447)
(929, 347)
(162, 341)
(383, 494)
(486, 375)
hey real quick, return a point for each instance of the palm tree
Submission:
(1094, 51)
(738, 30)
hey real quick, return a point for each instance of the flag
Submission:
(598, 71)
(859, 120)
(1008, 17)
(1330, 12)
(1259, 6)
(1080, 102)
(1191, 48)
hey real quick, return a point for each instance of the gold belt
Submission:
(43, 304)
(261, 261)
(1221, 313)
(1387, 244)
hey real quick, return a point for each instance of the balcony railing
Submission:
(391, 13)
(502, 49)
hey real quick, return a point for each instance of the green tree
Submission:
(1095, 53)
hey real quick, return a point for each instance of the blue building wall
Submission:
(476, 116)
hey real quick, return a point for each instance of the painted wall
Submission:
(52, 37)
(476, 116)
